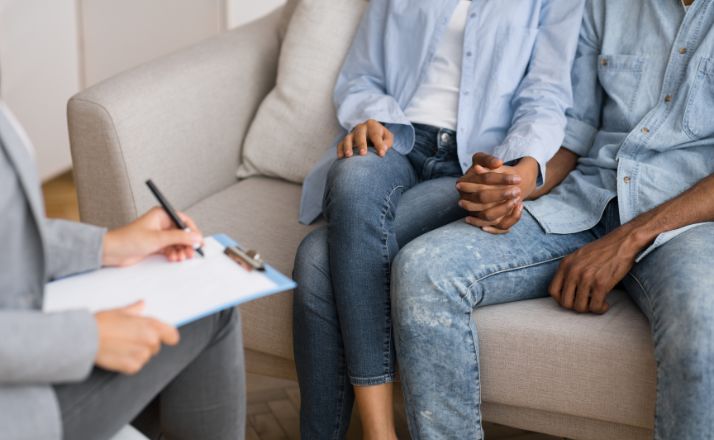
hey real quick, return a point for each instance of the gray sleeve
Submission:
(29, 413)
(46, 348)
(72, 248)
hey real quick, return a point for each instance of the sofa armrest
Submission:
(180, 120)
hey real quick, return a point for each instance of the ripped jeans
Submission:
(342, 316)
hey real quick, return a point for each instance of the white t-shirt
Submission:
(436, 101)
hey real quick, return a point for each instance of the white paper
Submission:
(176, 293)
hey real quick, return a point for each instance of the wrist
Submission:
(528, 169)
(108, 246)
(638, 235)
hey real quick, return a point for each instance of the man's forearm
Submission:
(695, 205)
(558, 169)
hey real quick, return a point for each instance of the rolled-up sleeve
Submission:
(545, 92)
(360, 92)
(584, 116)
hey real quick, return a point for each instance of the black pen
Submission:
(170, 211)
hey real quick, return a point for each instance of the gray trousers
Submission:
(196, 389)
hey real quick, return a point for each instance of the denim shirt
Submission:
(515, 81)
(643, 118)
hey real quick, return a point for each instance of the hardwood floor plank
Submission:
(287, 416)
(267, 427)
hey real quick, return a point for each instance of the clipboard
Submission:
(176, 293)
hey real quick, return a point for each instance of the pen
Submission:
(170, 211)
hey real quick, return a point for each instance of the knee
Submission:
(424, 291)
(354, 181)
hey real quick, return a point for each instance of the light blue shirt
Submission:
(515, 78)
(643, 118)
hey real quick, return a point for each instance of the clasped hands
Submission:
(493, 193)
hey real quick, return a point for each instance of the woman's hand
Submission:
(128, 341)
(369, 132)
(152, 233)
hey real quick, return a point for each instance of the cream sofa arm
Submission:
(179, 120)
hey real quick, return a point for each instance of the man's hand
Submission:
(585, 277)
(152, 233)
(369, 132)
(493, 193)
(127, 341)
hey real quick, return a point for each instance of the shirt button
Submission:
(468, 54)
(668, 98)
(466, 93)
(683, 50)
(645, 130)
(473, 15)
(627, 179)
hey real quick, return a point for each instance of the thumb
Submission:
(134, 309)
(177, 237)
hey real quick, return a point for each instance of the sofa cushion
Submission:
(539, 356)
(260, 214)
(297, 121)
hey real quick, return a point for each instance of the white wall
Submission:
(242, 11)
(39, 61)
(50, 49)
(120, 34)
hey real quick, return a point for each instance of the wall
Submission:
(39, 61)
(117, 35)
(239, 12)
(50, 49)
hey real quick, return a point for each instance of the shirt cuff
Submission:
(404, 137)
(511, 156)
(579, 137)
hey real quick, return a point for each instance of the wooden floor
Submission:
(273, 404)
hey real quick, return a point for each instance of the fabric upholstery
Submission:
(179, 120)
(260, 213)
(299, 112)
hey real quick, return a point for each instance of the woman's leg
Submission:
(325, 387)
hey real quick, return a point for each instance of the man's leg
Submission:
(437, 281)
(200, 383)
(325, 387)
(674, 287)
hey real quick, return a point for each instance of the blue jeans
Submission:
(433, 299)
(342, 318)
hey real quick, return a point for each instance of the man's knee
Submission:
(425, 287)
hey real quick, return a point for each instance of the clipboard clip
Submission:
(248, 260)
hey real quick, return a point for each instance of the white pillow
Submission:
(297, 121)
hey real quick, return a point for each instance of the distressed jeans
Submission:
(342, 317)
(440, 278)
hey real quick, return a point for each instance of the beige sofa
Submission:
(182, 119)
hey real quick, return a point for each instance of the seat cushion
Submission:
(260, 213)
(539, 356)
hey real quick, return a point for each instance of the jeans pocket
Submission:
(620, 77)
(698, 119)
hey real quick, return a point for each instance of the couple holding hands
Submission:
(496, 152)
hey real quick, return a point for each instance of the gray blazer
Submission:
(37, 350)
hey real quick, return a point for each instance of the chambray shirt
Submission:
(643, 118)
(515, 81)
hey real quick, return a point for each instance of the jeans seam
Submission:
(388, 361)
(655, 331)
(471, 286)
